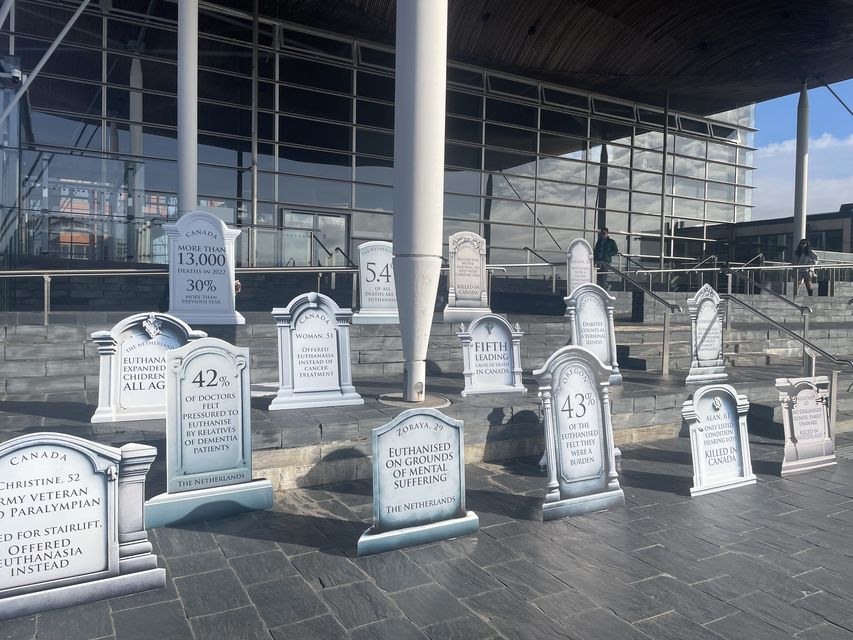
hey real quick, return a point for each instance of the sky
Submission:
(830, 181)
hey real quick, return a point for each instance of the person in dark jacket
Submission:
(805, 259)
(604, 251)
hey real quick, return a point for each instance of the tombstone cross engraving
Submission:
(467, 278)
(71, 527)
(208, 437)
(313, 354)
(590, 313)
(580, 265)
(719, 441)
(805, 416)
(132, 381)
(706, 337)
(418, 483)
(491, 351)
(574, 392)
(376, 292)
(201, 269)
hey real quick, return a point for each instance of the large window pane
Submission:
(314, 134)
(309, 162)
(300, 190)
(509, 137)
(315, 74)
(315, 104)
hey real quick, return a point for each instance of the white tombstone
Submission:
(201, 269)
(491, 352)
(467, 278)
(132, 381)
(208, 437)
(313, 354)
(71, 528)
(376, 292)
(805, 416)
(580, 266)
(574, 392)
(418, 483)
(719, 441)
(706, 337)
(590, 312)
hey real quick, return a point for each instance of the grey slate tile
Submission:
(82, 622)
(262, 567)
(358, 604)
(393, 629)
(325, 569)
(428, 604)
(514, 617)
(164, 620)
(18, 629)
(286, 601)
(741, 625)
(319, 628)
(600, 623)
(692, 603)
(196, 563)
(469, 627)
(527, 579)
(462, 577)
(787, 617)
(393, 571)
(207, 593)
(236, 624)
(674, 626)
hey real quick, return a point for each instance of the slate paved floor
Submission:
(770, 561)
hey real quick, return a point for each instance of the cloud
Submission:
(830, 181)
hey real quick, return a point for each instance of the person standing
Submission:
(805, 259)
(603, 252)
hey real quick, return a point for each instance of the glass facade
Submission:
(528, 165)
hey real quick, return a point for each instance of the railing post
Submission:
(553, 279)
(355, 290)
(808, 358)
(664, 365)
(46, 299)
(833, 404)
(319, 275)
(728, 304)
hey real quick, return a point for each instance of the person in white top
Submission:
(805, 258)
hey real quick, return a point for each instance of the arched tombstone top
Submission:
(590, 312)
(805, 417)
(306, 302)
(570, 354)
(460, 238)
(100, 456)
(579, 264)
(186, 222)
(590, 288)
(493, 318)
(705, 291)
(693, 408)
(377, 292)
(153, 324)
(491, 352)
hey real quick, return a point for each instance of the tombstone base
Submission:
(81, 593)
(463, 314)
(714, 488)
(371, 543)
(582, 504)
(366, 316)
(807, 464)
(106, 414)
(480, 391)
(209, 317)
(307, 400)
(706, 375)
(169, 509)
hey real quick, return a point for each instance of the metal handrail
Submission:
(846, 265)
(669, 308)
(320, 242)
(807, 344)
(537, 255)
(346, 257)
(759, 256)
(631, 260)
(699, 264)
(804, 309)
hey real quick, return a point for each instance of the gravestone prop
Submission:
(491, 352)
(201, 269)
(590, 313)
(719, 441)
(418, 483)
(467, 278)
(208, 437)
(706, 338)
(313, 354)
(580, 265)
(132, 381)
(376, 292)
(805, 416)
(574, 392)
(71, 528)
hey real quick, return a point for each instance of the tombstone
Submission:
(590, 313)
(71, 529)
(467, 278)
(376, 292)
(208, 437)
(805, 416)
(313, 354)
(706, 338)
(574, 392)
(719, 441)
(132, 381)
(580, 265)
(418, 483)
(491, 351)
(201, 269)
